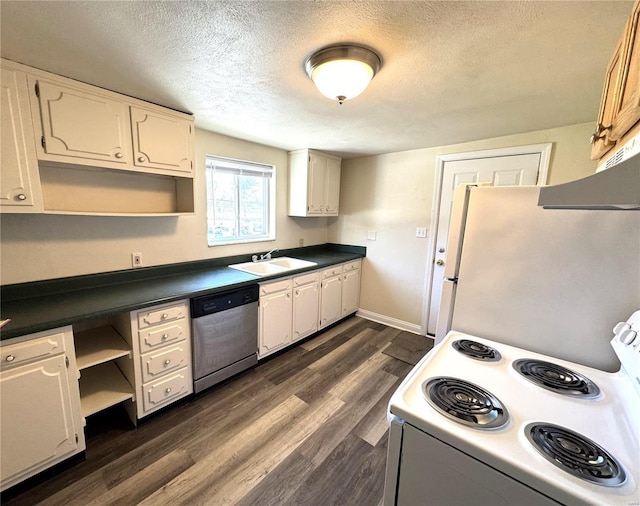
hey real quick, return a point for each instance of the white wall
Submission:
(392, 195)
(35, 247)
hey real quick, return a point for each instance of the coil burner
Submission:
(556, 378)
(575, 454)
(476, 350)
(465, 403)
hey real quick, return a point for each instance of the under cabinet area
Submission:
(40, 417)
(87, 150)
(104, 360)
(314, 183)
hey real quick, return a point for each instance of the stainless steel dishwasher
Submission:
(225, 335)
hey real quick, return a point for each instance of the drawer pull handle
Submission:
(10, 358)
(165, 337)
(168, 390)
(165, 316)
(141, 159)
(119, 155)
(21, 196)
(167, 362)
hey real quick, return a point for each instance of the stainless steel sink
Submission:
(273, 266)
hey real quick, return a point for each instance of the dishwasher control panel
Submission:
(209, 304)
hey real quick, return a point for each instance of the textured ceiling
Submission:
(452, 72)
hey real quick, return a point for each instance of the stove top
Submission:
(592, 421)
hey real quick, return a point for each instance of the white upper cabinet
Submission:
(314, 183)
(87, 126)
(19, 187)
(161, 141)
(73, 148)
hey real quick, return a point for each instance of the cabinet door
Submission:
(84, 126)
(305, 310)
(350, 292)
(36, 418)
(276, 311)
(332, 197)
(601, 140)
(18, 164)
(330, 300)
(628, 103)
(317, 184)
(161, 141)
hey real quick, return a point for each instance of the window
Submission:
(240, 201)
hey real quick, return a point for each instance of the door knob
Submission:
(440, 262)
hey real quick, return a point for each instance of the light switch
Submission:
(371, 235)
(421, 232)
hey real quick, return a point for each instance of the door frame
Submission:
(543, 173)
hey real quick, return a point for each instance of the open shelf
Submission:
(75, 190)
(98, 345)
(102, 386)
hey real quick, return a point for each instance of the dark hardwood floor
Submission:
(307, 427)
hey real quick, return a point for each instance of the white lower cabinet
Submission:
(331, 296)
(40, 417)
(160, 338)
(274, 316)
(350, 287)
(306, 297)
(294, 308)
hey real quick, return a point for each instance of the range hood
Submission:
(615, 188)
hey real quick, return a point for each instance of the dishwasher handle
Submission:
(214, 303)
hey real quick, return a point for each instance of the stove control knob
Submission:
(620, 327)
(627, 336)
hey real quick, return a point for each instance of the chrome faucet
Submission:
(267, 256)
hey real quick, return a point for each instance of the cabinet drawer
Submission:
(155, 337)
(336, 270)
(165, 390)
(312, 277)
(160, 362)
(161, 315)
(34, 349)
(351, 266)
(278, 286)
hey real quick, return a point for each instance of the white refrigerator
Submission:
(553, 281)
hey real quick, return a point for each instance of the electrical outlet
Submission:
(301, 242)
(136, 260)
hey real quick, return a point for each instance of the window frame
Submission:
(240, 167)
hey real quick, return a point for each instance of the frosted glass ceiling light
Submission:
(342, 72)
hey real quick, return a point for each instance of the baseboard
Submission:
(391, 322)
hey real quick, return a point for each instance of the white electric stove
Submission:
(481, 422)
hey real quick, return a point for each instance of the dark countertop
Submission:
(42, 305)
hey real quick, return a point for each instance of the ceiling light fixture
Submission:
(344, 71)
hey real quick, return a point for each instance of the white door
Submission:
(330, 300)
(275, 314)
(497, 168)
(305, 310)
